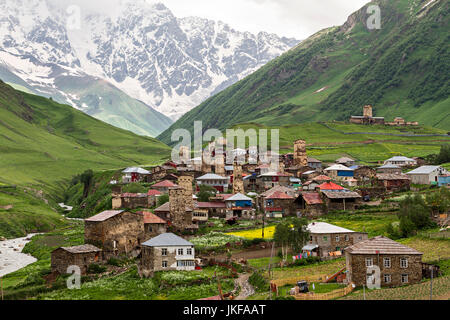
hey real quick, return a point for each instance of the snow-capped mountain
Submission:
(139, 49)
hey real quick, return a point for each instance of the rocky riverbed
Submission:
(11, 256)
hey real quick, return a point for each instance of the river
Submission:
(11, 256)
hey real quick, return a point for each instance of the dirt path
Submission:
(246, 288)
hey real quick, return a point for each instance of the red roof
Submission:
(322, 178)
(105, 215)
(153, 192)
(330, 186)
(211, 205)
(150, 218)
(165, 184)
(312, 198)
(279, 195)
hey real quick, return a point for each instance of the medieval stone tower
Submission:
(238, 182)
(185, 154)
(220, 165)
(300, 156)
(185, 183)
(179, 216)
(368, 112)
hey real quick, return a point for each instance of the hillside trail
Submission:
(246, 288)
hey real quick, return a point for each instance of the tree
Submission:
(281, 237)
(135, 188)
(438, 202)
(414, 215)
(86, 179)
(444, 155)
(205, 193)
(299, 234)
(163, 199)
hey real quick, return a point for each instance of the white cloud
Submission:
(291, 18)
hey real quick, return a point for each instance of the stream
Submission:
(11, 256)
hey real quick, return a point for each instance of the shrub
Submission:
(258, 282)
(307, 261)
(96, 268)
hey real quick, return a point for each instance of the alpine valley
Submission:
(137, 67)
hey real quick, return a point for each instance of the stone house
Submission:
(181, 215)
(261, 198)
(81, 256)
(163, 211)
(115, 231)
(338, 172)
(426, 174)
(213, 180)
(166, 252)
(269, 180)
(314, 163)
(346, 161)
(399, 265)
(153, 225)
(239, 206)
(164, 186)
(389, 168)
(310, 204)
(326, 238)
(363, 173)
(214, 208)
(341, 200)
(280, 202)
(393, 182)
(130, 201)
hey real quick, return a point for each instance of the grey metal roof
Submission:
(212, 176)
(389, 166)
(239, 197)
(136, 170)
(167, 240)
(400, 158)
(323, 227)
(424, 170)
(310, 247)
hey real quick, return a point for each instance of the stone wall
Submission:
(186, 182)
(180, 217)
(121, 234)
(356, 264)
(238, 182)
(62, 259)
(300, 156)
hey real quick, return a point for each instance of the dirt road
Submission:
(246, 288)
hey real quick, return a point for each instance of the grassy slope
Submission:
(43, 144)
(330, 143)
(401, 69)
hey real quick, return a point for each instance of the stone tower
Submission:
(185, 183)
(238, 182)
(300, 156)
(179, 216)
(185, 154)
(220, 165)
(368, 112)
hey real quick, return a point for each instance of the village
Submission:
(160, 229)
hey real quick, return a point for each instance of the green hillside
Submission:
(401, 69)
(330, 141)
(43, 144)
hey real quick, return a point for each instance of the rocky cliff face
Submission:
(142, 50)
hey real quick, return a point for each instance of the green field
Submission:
(330, 141)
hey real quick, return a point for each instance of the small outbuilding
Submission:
(81, 256)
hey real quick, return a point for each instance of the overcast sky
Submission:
(291, 18)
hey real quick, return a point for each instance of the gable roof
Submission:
(211, 176)
(424, 170)
(323, 227)
(153, 192)
(279, 195)
(164, 184)
(136, 170)
(150, 218)
(344, 160)
(167, 240)
(392, 176)
(322, 178)
(239, 197)
(284, 189)
(341, 195)
(380, 245)
(164, 208)
(338, 167)
(330, 186)
(400, 158)
(313, 160)
(85, 248)
(312, 198)
(105, 215)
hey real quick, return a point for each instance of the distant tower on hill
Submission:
(368, 111)
(300, 156)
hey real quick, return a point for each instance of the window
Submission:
(387, 262)
(164, 252)
(325, 238)
(346, 237)
(387, 278)
(189, 252)
(369, 262)
(404, 263)
(164, 264)
(180, 252)
(360, 238)
(404, 278)
(337, 238)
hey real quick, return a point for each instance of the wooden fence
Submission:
(325, 296)
(293, 281)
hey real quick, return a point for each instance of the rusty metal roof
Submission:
(150, 218)
(105, 215)
(85, 248)
(312, 198)
(341, 195)
(392, 176)
(381, 245)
